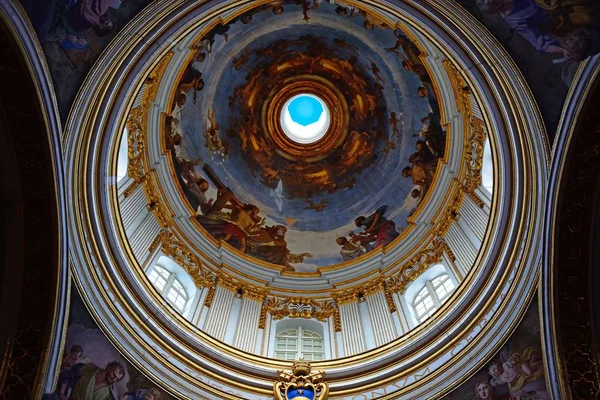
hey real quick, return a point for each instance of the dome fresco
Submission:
(352, 190)
(222, 218)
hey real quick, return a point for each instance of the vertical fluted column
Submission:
(247, 326)
(475, 216)
(218, 314)
(462, 248)
(405, 321)
(381, 319)
(144, 236)
(133, 206)
(352, 330)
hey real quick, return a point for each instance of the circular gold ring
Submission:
(324, 90)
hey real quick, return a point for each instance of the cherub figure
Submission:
(518, 370)
(213, 141)
(376, 71)
(394, 119)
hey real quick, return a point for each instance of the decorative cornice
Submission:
(345, 296)
(241, 287)
(416, 265)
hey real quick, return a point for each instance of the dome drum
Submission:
(363, 316)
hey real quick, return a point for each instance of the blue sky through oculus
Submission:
(305, 110)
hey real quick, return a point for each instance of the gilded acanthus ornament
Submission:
(416, 265)
(301, 384)
(172, 247)
(299, 307)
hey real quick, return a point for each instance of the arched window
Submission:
(169, 287)
(291, 344)
(432, 296)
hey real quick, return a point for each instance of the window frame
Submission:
(430, 288)
(168, 287)
(300, 350)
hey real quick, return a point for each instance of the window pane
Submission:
(159, 276)
(443, 286)
(423, 305)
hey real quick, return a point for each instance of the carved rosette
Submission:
(301, 384)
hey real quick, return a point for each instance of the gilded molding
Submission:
(130, 189)
(390, 300)
(474, 154)
(262, 319)
(416, 265)
(244, 288)
(155, 243)
(450, 215)
(210, 296)
(373, 286)
(448, 251)
(299, 307)
(254, 293)
(173, 248)
(353, 294)
(153, 80)
(136, 142)
(337, 321)
(345, 296)
(461, 89)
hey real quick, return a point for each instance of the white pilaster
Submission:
(475, 217)
(381, 319)
(132, 207)
(462, 247)
(142, 237)
(247, 326)
(216, 323)
(352, 331)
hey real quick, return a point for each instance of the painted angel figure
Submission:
(213, 141)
